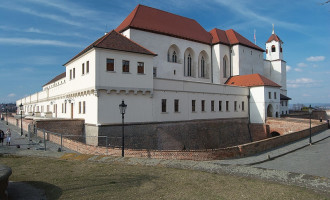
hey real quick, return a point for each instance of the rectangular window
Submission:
(227, 105)
(110, 65)
(70, 74)
(235, 105)
(212, 105)
(87, 67)
(242, 105)
(65, 108)
(193, 105)
(84, 107)
(269, 95)
(74, 73)
(220, 105)
(140, 68)
(83, 68)
(176, 105)
(79, 107)
(62, 108)
(274, 95)
(203, 105)
(47, 108)
(163, 105)
(125, 66)
(154, 72)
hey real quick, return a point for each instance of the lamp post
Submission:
(310, 124)
(122, 108)
(7, 114)
(21, 109)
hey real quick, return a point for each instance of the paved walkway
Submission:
(240, 167)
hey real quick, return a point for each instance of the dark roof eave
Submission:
(167, 34)
(149, 54)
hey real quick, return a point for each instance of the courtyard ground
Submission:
(76, 179)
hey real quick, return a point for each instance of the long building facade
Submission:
(166, 68)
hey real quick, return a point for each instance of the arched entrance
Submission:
(270, 110)
(274, 134)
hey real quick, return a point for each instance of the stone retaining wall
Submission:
(208, 154)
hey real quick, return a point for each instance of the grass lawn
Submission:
(62, 179)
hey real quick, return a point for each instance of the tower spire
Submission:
(273, 32)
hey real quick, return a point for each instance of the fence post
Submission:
(106, 143)
(44, 139)
(61, 141)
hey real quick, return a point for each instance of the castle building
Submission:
(167, 68)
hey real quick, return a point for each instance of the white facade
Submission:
(185, 81)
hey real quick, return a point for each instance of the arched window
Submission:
(202, 67)
(189, 65)
(174, 57)
(266, 51)
(273, 48)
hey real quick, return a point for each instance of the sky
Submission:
(38, 36)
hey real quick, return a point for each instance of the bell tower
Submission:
(274, 49)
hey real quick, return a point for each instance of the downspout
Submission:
(249, 121)
(211, 64)
(230, 52)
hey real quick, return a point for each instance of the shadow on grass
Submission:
(33, 190)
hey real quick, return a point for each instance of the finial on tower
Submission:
(273, 32)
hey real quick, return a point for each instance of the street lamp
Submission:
(7, 114)
(21, 109)
(310, 124)
(122, 108)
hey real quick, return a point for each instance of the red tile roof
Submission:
(231, 37)
(158, 21)
(251, 80)
(274, 37)
(58, 77)
(115, 41)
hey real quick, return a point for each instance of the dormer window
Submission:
(273, 48)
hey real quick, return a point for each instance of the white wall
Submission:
(123, 80)
(274, 55)
(186, 91)
(247, 60)
(160, 45)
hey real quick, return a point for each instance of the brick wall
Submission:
(259, 131)
(207, 154)
(72, 127)
(189, 135)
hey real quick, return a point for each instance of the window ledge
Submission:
(164, 112)
(126, 72)
(111, 71)
(141, 74)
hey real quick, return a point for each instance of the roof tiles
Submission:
(158, 21)
(115, 41)
(251, 80)
(58, 77)
(274, 37)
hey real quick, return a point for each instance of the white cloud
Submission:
(40, 14)
(11, 95)
(27, 41)
(298, 70)
(288, 68)
(242, 9)
(315, 58)
(302, 64)
(303, 82)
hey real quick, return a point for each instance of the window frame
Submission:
(125, 66)
(110, 66)
(176, 105)
(139, 67)
(163, 107)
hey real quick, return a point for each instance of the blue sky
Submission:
(37, 36)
